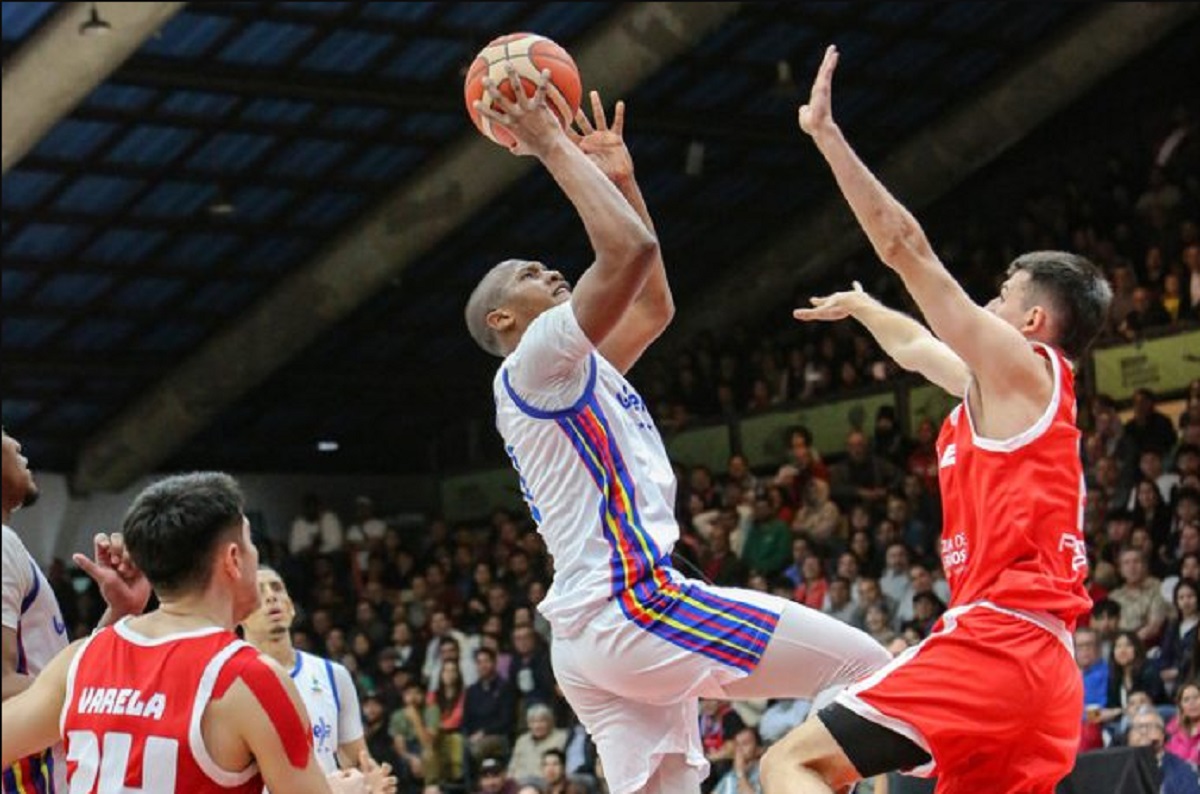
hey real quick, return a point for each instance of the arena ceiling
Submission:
(259, 230)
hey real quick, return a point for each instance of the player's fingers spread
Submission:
(618, 125)
(584, 124)
(598, 111)
(539, 94)
(495, 94)
(488, 111)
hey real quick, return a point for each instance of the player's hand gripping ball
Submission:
(529, 54)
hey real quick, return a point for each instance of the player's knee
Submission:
(809, 747)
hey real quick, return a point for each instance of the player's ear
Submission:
(1037, 321)
(231, 559)
(500, 320)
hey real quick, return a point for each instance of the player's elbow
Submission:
(643, 251)
(905, 245)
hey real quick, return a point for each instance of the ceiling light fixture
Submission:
(693, 162)
(221, 205)
(327, 446)
(94, 25)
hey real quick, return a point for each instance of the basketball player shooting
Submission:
(991, 700)
(635, 642)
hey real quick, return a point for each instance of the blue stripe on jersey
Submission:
(633, 550)
(296, 667)
(29, 598)
(538, 413)
(729, 631)
(337, 698)
(22, 661)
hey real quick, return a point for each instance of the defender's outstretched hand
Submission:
(818, 113)
(837, 306)
(527, 117)
(604, 144)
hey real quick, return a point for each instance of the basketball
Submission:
(529, 54)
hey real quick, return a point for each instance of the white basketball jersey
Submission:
(592, 467)
(31, 610)
(332, 704)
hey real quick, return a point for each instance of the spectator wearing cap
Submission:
(489, 709)
(493, 780)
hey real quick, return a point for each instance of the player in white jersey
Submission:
(33, 627)
(635, 642)
(325, 686)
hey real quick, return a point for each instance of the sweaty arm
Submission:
(910, 344)
(30, 719)
(997, 354)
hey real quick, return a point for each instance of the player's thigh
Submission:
(634, 738)
(809, 652)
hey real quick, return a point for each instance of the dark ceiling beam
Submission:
(19, 364)
(58, 66)
(934, 161)
(148, 269)
(392, 94)
(204, 177)
(200, 223)
(256, 126)
(275, 12)
(463, 178)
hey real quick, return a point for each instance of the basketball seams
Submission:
(530, 54)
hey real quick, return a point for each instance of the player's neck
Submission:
(189, 613)
(279, 648)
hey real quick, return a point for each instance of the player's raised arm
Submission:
(910, 344)
(995, 351)
(625, 249)
(653, 307)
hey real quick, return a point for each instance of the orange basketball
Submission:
(530, 54)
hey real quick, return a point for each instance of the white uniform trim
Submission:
(71, 670)
(222, 777)
(130, 635)
(1032, 433)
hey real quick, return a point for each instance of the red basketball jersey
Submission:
(1013, 509)
(132, 713)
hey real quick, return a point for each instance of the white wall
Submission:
(60, 523)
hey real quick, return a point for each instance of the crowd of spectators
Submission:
(440, 628)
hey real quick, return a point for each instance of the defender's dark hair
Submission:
(173, 527)
(1078, 292)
